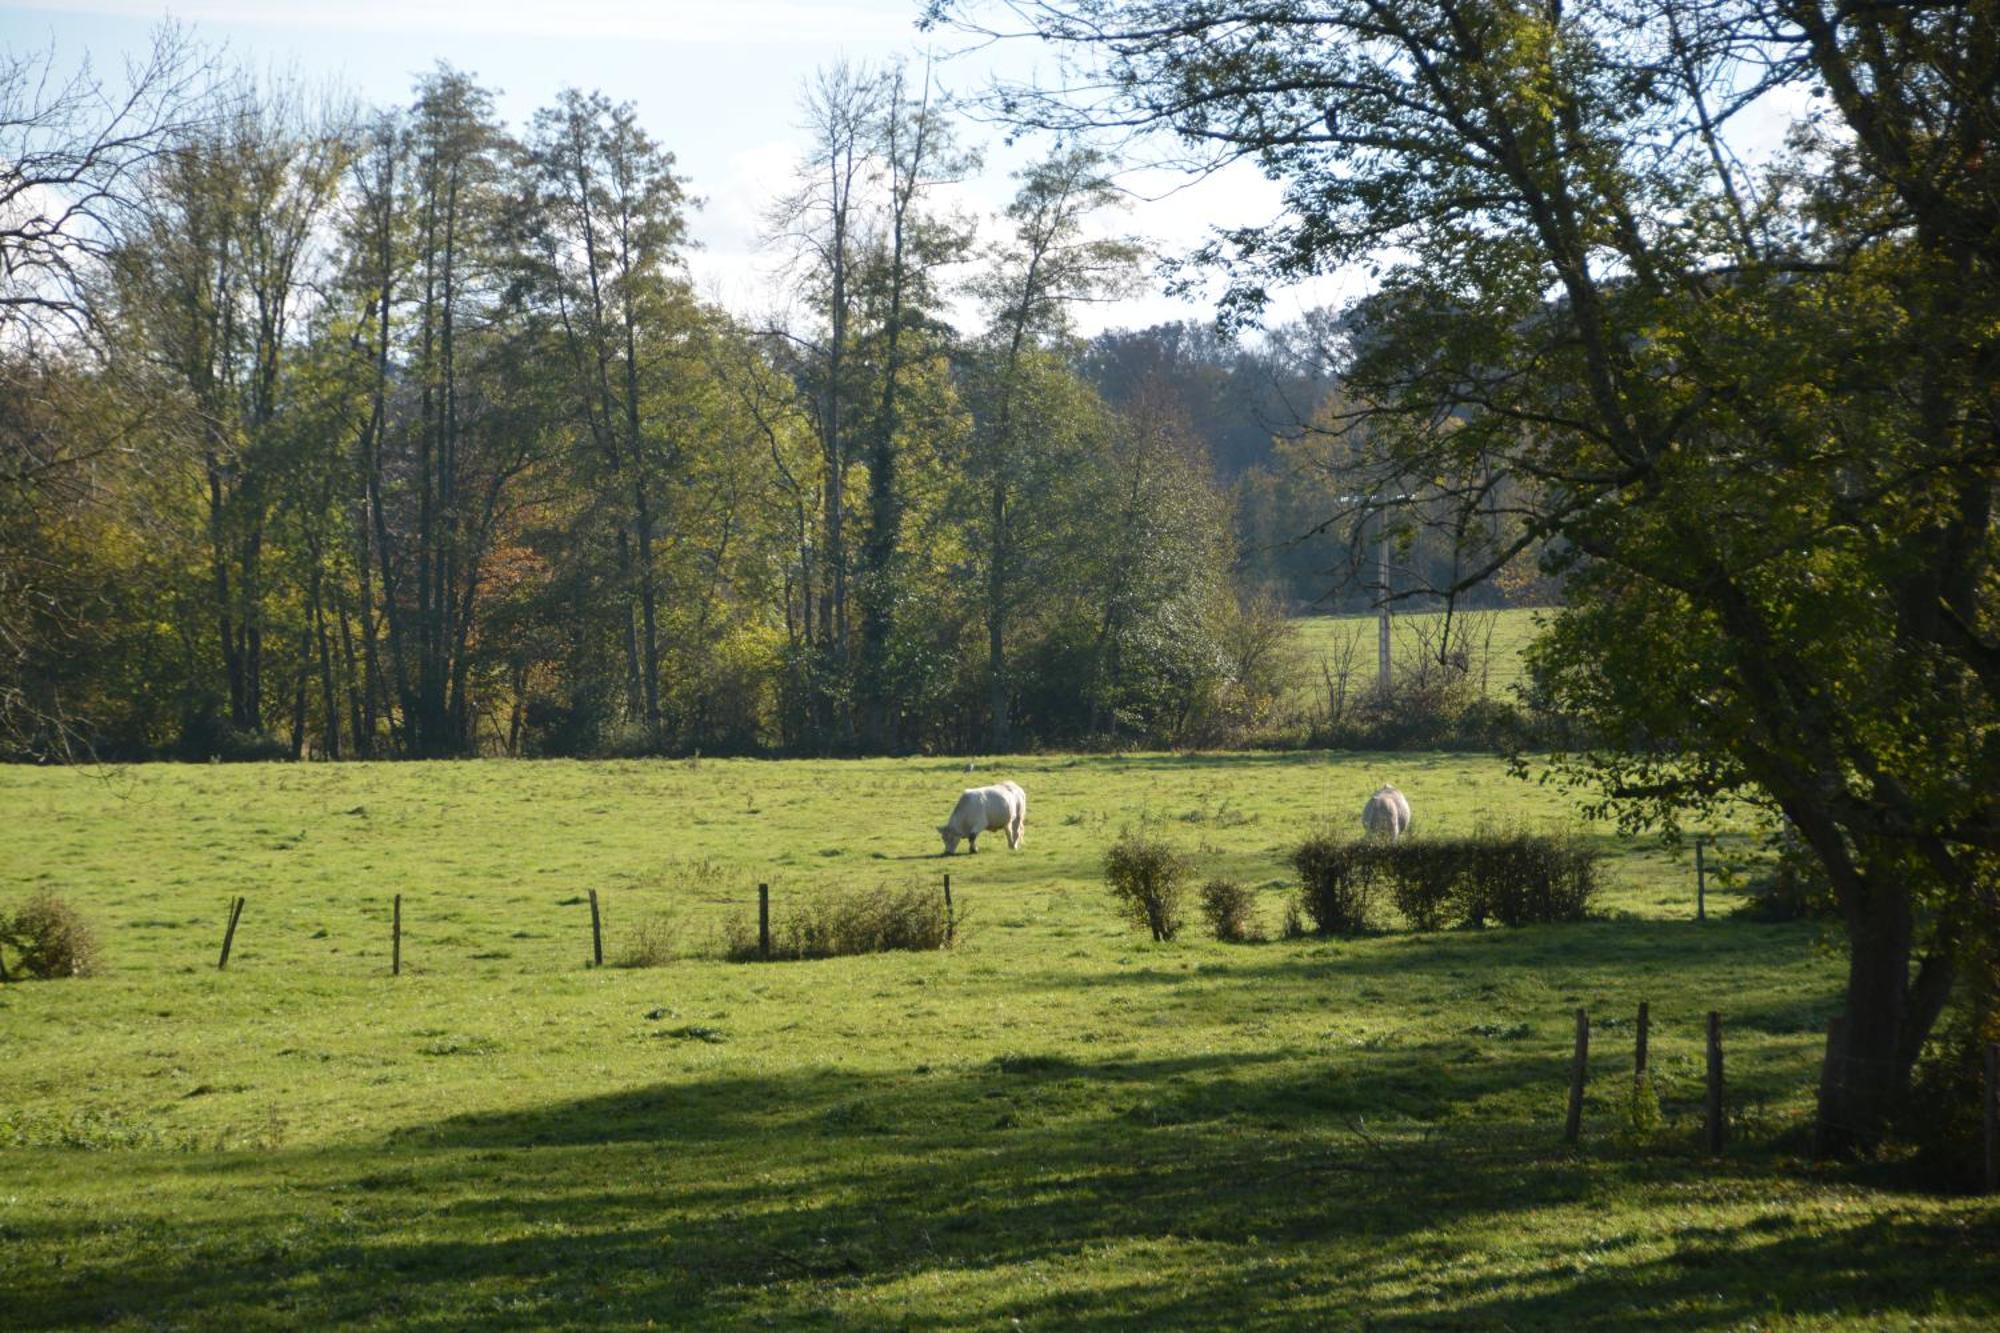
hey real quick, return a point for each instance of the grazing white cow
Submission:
(983, 809)
(1387, 812)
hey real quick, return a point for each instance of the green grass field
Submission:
(1496, 655)
(1057, 1124)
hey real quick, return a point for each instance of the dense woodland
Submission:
(402, 432)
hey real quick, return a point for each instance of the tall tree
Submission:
(609, 233)
(212, 281)
(1049, 263)
(915, 141)
(826, 222)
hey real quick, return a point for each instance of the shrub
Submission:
(1427, 881)
(840, 924)
(1336, 884)
(1643, 1118)
(1148, 877)
(1227, 907)
(1514, 878)
(1523, 879)
(51, 939)
(653, 942)
(1943, 1115)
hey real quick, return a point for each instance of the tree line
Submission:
(401, 432)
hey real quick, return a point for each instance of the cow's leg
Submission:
(1014, 834)
(972, 844)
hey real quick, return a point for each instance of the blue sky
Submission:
(716, 81)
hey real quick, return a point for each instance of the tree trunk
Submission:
(1889, 1016)
(329, 700)
(996, 622)
(648, 614)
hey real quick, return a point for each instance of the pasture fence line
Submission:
(229, 932)
(596, 933)
(1713, 1110)
(1579, 1069)
(1640, 1033)
(764, 922)
(1700, 878)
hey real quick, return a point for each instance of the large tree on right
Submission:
(1757, 412)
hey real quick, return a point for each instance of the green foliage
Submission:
(1147, 876)
(1641, 1118)
(1337, 884)
(1513, 878)
(49, 938)
(653, 940)
(842, 923)
(1230, 910)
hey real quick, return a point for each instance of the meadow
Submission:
(1498, 639)
(1054, 1124)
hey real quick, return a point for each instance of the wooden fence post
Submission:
(1700, 879)
(950, 919)
(396, 939)
(1714, 1128)
(1639, 1044)
(1578, 1069)
(1993, 1117)
(1830, 1069)
(229, 933)
(596, 932)
(764, 921)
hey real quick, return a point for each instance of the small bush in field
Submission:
(1228, 908)
(1336, 884)
(1426, 880)
(50, 939)
(1148, 877)
(841, 924)
(1522, 879)
(653, 942)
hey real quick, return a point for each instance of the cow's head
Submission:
(950, 836)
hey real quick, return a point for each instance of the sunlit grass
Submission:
(1057, 1122)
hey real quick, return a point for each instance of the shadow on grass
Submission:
(1250, 1191)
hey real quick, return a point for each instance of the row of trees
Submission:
(403, 433)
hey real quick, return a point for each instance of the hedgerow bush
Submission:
(1426, 880)
(48, 938)
(653, 941)
(1147, 876)
(1227, 906)
(1336, 884)
(838, 924)
(1513, 878)
(1521, 879)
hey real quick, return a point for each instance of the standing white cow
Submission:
(983, 809)
(1387, 812)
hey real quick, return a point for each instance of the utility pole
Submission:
(1382, 602)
